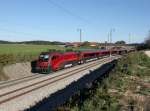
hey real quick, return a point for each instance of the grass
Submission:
(121, 89)
(26, 49)
(13, 53)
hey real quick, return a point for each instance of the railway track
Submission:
(17, 81)
(9, 83)
(27, 85)
(24, 79)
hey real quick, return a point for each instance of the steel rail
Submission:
(19, 80)
(9, 81)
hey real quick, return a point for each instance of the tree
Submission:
(120, 42)
(147, 41)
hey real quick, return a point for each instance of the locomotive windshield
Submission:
(44, 57)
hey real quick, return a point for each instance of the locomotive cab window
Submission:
(44, 57)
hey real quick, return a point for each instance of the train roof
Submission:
(70, 53)
(94, 51)
(75, 52)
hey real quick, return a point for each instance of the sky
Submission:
(59, 20)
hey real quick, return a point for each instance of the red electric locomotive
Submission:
(52, 61)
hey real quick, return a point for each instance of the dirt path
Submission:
(18, 70)
(147, 53)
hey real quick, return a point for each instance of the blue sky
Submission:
(58, 20)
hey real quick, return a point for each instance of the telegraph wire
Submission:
(68, 11)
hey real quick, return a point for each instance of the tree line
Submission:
(38, 42)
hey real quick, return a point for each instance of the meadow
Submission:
(26, 48)
(13, 53)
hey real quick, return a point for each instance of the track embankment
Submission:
(147, 53)
(18, 70)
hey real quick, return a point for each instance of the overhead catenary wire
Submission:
(75, 16)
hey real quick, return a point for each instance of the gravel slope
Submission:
(18, 70)
(147, 53)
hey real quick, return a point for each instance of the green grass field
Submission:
(26, 49)
(12, 53)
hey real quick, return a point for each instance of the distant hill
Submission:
(37, 42)
(5, 42)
